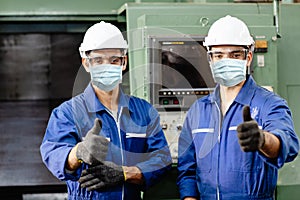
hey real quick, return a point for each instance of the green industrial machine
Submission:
(274, 64)
(289, 88)
(154, 28)
(150, 20)
(148, 23)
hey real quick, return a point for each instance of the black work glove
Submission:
(251, 138)
(106, 174)
(93, 149)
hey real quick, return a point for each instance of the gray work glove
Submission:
(93, 149)
(104, 175)
(251, 138)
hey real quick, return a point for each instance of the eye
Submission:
(116, 60)
(217, 56)
(98, 60)
(238, 54)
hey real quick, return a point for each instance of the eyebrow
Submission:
(220, 50)
(102, 55)
(227, 50)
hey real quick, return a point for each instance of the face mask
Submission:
(106, 76)
(229, 72)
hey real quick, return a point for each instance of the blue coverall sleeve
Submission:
(187, 164)
(157, 157)
(278, 120)
(60, 138)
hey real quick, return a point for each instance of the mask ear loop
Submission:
(248, 71)
(123, 61)
(208, 56)
(124, 52)
(87, 54)
(88, 63)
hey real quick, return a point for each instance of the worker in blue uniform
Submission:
(234, 140)
(103, 143)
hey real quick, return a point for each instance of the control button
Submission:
(179, 127)
(175, 101)
(164, 126)
(166, 102)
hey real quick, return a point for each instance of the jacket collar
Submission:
(94, 105)
(246, 93)
(244, 96)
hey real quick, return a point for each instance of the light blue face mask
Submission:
(106, 76)
(229, 72)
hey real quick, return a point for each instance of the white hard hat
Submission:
(228, 31)
(102, 36)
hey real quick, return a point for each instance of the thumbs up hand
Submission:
(251, 138)
(93, 149)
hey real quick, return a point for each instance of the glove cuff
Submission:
(78, 160)
(124, 173)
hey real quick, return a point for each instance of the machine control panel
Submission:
(180, 98)
(172, 123)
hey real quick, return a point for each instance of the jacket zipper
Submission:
(121, 145)
(219, 140)
(117, 121)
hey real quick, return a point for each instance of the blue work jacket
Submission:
(211, 163)
(135, 135)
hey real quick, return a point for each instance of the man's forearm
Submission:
(72, 163)
(133, 175)
(271, 146)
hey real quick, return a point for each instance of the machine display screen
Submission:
(180, 72)
(184, 65)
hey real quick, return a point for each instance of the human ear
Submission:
(85, 64)
(124, 63)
